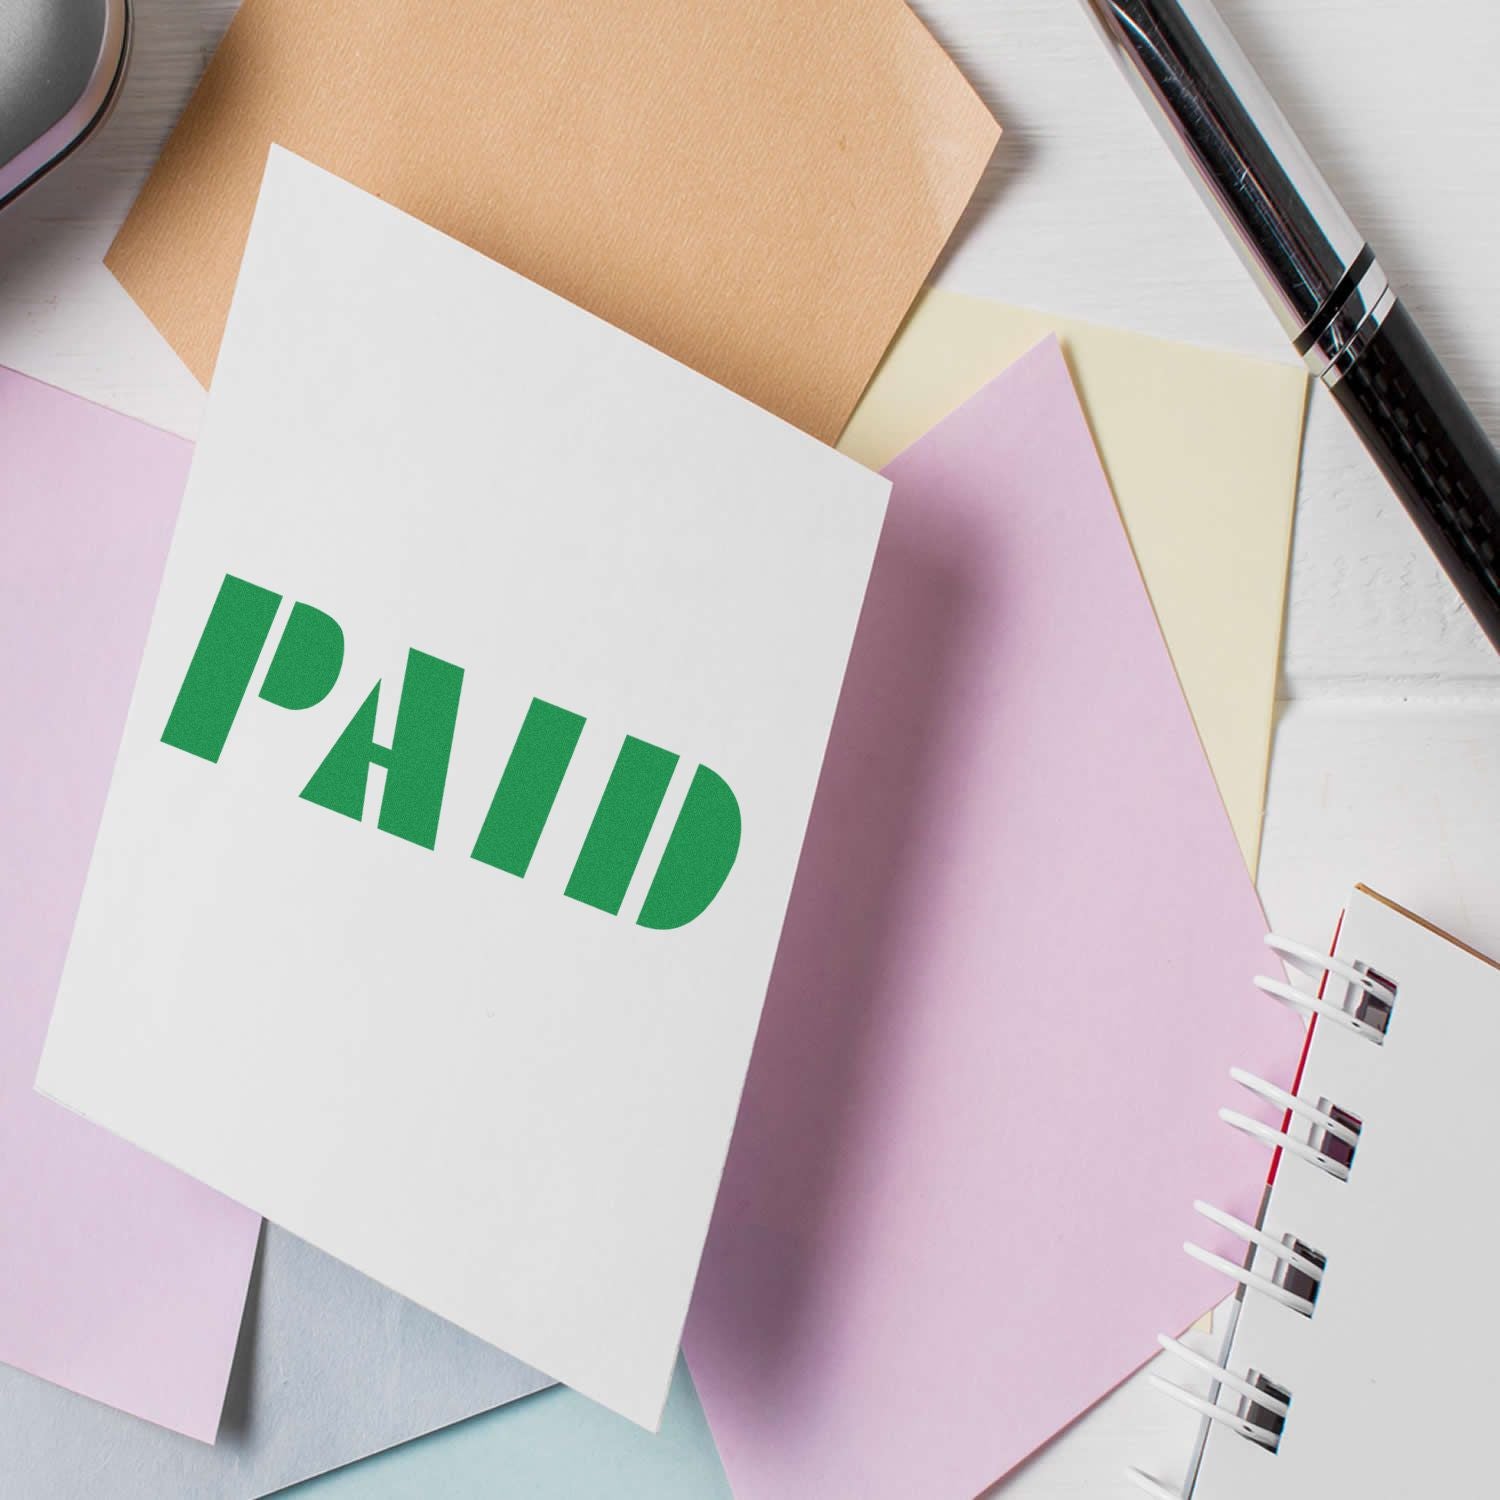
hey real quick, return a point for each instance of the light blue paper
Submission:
(555, 1445)
(330, 1367)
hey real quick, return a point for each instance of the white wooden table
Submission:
(1387, 757)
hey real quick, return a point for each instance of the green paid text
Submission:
(305, 665)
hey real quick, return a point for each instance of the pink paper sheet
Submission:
(1016, 971)
(119, 1277)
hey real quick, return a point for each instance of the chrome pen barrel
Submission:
(1321, 278)
(1219, 119)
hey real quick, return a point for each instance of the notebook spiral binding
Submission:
(1322, 1135)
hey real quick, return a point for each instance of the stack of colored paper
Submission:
(451, 889)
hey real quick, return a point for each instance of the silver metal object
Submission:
(1322, 280)
(61, 66)
(1271, 201)
(1350, 332)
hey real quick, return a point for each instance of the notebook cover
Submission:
(1387, 1394)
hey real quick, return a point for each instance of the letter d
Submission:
(700, 851)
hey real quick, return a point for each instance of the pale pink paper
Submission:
(1015, 973)
(119, 1277)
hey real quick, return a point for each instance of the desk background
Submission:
(1387, 755)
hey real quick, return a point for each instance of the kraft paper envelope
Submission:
(119, 1277)
(1016, 970)
(1201, 448)
(553, 1446)
(588, 613)
(87, 501)
(757, 188)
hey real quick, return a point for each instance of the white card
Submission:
(307, 968)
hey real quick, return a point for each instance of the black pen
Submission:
(1321, 278)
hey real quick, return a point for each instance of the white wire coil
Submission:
(1340, 1132)
(1153, 1487)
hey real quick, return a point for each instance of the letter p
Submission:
(302, 672)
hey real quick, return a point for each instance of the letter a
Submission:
(416, 761)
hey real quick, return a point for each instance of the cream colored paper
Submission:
(758, 189)
(1201, 448)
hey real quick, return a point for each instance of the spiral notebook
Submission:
(1338, 1373)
